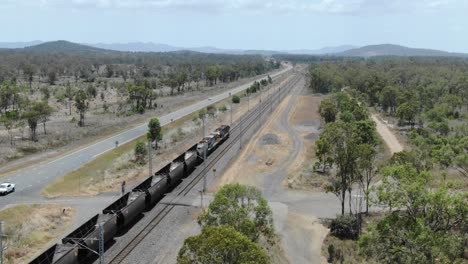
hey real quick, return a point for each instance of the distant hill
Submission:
(158, 47)
(345, 50)
(18, 45)
(63, 46)
(136, 47)
(322, 51)
(396, 50)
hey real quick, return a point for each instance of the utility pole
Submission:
(201, 199)
(150, 157)
(231, 113)
(248, 101)
(240, 137)
(203, 122)
(206, 165)
(101, 243)
(271, 99)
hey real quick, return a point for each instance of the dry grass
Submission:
(105, 173)
(31, 228)
(62, 135)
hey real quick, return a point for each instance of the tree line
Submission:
(175, 67)
(424, 217)
(428, 96)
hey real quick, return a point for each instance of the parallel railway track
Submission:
(245, 124)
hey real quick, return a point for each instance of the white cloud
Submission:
(355, 7)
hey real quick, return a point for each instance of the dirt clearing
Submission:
(257, 157)
(306, 121)
(279, 149)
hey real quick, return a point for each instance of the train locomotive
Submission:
(78, 246)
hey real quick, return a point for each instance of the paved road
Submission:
(30, 181)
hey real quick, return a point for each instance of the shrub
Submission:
(211, 110)
(141, 109)
(345, 227)
(222, 108)
(140, 152)
(235, 99)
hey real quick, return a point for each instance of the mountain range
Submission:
(396, 50)
(345, 50)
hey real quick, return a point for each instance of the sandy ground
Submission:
(278, 149)
(388, 137)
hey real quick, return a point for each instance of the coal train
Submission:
(78, 246)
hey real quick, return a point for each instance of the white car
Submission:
(7, 187)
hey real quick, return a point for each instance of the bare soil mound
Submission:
(269, 139)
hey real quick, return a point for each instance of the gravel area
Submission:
(163, 243)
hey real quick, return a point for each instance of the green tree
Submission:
(235, 99)
(45, 111)
(202, 113)
(366, 169)
(343, 143)
(407, 112)
(52, 75)
(241, 207)
(212, 74)
(426, 225)
(140, 152)
(9, 119)
(91, 91)
(453, 101)
(154, 131)
(29, 71)
(323, 153)
(388, 98)
(81, 104)
(32, 116)
(45, 93)
(219, 245)
(328, 111)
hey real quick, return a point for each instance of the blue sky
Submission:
(243, 24)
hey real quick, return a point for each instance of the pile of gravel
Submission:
(269, 139)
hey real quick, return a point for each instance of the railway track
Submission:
(190, 182)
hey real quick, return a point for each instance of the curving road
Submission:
(30, 181)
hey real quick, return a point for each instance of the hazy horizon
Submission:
(241, 24)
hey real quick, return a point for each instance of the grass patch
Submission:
(91, 179)
(78, 182)
(29, 229)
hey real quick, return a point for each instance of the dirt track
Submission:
(388, 137)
